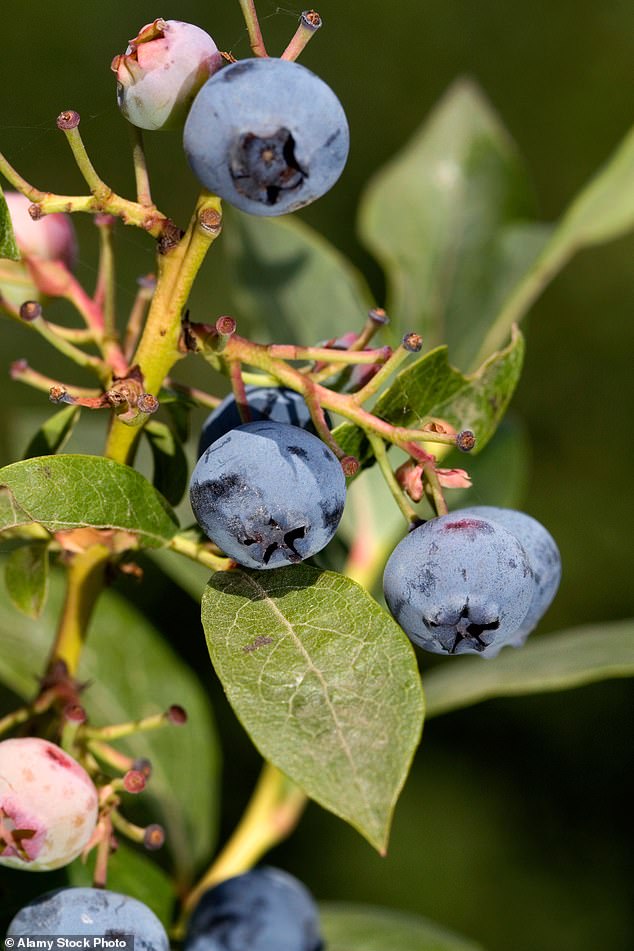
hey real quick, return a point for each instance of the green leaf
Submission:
(75, 491)
(289, 283)
(348, 927)
(132, 873)
(324, 682)
(26, 578)
(170, 464)
(8, 246)
(133, 673)
(54, 433)
(603, 210)
(442, 219)
(549, 662)
(430, 387)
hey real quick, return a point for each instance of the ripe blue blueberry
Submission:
(543, 556)
(268, 494)
(263, 910)
(90, 911)
(459, 585)
(265, 402)
(267, 135)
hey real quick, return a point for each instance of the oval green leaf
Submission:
(437, 215)
(348, 927)
(289, 282)
(550, 662)
(76, 491)
(26, 578)
(170, 463)
(54, 433)
(324, 682)
(133, 673)
(8, 246)
(602, 211)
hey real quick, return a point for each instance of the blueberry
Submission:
(263, 910)
(267, 135)
(543, 556)
(265, 402)
(268, 494)
(90, 911)
(459, 585)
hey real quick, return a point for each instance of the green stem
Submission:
(85, 360)
(379, 450)
(253, 27)
(330, 354)
(197, 551)
(435, 490)
(118, 731)
(23, 373)
(84, 582)
(272, 814)
(19, 183)
(68, 123)
(142, 300)
(382, 376)
(158, 348)
(104, 293)
(309, 23)
(141, 176)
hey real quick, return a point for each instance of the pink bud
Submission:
(48, 805)
(454, 478)
(51, 237)
(161, 71)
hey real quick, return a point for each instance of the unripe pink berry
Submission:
(48, 805)
(51, 237)
(161, 71)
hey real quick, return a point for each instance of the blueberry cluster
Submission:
(472, 582)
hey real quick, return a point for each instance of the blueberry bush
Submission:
(333, 514)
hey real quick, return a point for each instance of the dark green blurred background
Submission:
(511, 827)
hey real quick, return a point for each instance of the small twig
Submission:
(68, 123)
(198, 551)
(19, 183)
(23, 373)
(253, 27)
(435, 490)
(144, 294)
(239, 391)
(309, 23)
(380, 452)
(104, 296)
(411, 343)
(141, 176)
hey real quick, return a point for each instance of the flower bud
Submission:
(161, 71)
(49, 238)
